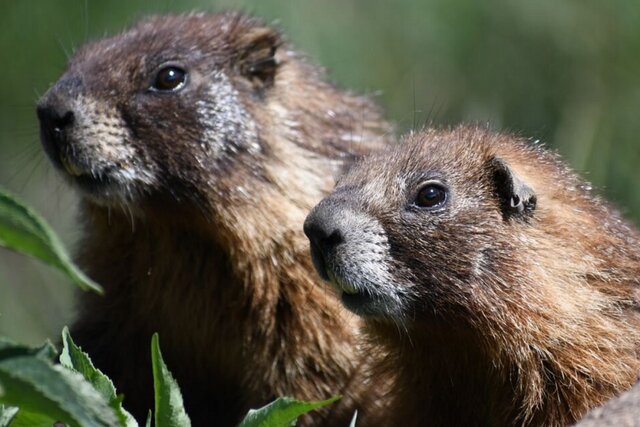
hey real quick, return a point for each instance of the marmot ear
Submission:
(517, 199)
(257, 51)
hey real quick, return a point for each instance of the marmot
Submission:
(495, 286)
(199, 142)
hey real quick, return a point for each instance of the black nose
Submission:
(55, 121)
(56, 114)
(55, 117)
(322, 228)
(325, 233)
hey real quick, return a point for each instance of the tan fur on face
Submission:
(107, 146)
(510, 320)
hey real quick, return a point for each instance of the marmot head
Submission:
(160, 108)
(201, 109)
(449, 224)
(495, 261)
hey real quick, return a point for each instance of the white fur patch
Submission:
(228, 125)
(361, 264)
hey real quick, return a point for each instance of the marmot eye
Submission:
(431, 195)
(170, 79)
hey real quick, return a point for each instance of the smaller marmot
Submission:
(495, 286)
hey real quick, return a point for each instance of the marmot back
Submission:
(198, 144)
(495, 286)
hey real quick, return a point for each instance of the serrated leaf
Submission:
(169, 408)
(35, 385)
(74, 358)
(22, 230)
(7, 414)
(282, 412)
(47, 351)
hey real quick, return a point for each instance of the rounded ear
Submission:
(517, 199)
(256, 54)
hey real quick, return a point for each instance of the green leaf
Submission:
(169, 408)
(148, 423)
(10, 348)
(282, 412)
(353, 420)
(22, 230)
(31, 382)
(30, 419)
(47, 351)
(7, 414)
(74, 358)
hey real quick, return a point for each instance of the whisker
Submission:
(37, 164)
(22, 161)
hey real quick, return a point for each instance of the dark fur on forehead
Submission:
(229, 34)
(224, 37)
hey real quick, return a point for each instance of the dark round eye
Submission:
(169, 79)
(431, 195)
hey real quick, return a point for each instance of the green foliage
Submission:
(74, 358)
(31, 419)
(32, 382)
(282, 412)
(22, 230)
(41, 392)
(7, 414)
(169, 407)
(74, 392)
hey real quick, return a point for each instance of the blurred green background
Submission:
(565, 72)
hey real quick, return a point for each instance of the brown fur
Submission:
(208, 250)
(506, 318)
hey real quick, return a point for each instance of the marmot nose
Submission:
(55, 121)
(324, 233)
(322, 229)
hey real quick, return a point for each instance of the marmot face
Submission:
(161, 109)
(486, 272)
(417, 232)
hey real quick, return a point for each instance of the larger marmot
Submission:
(198, 143)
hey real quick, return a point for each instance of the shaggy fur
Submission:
(193, 204)
(507, 315)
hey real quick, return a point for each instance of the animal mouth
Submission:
(97, 181)
(357, 293)
(361, 303)
(341, 284)
(354, 296)
(84, 176)
(92, 183)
